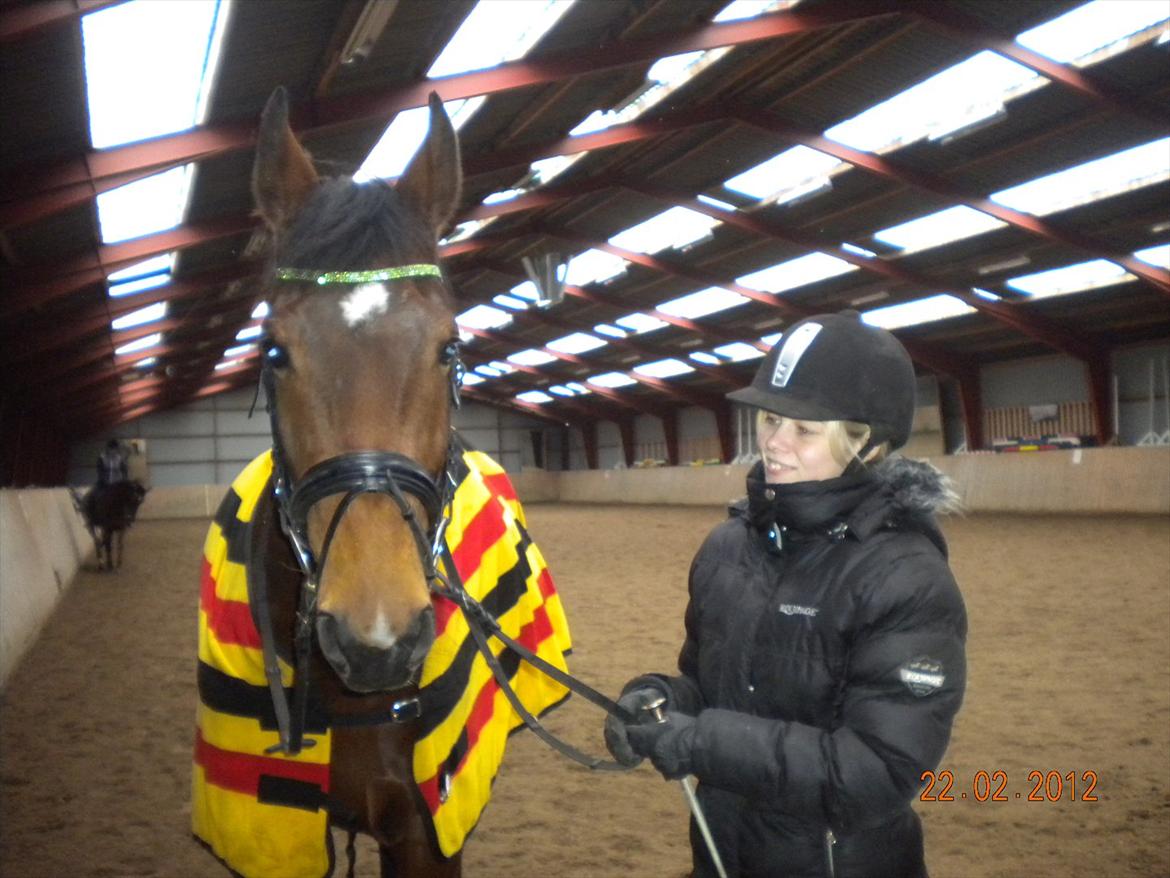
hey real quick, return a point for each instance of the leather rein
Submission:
(396, 475)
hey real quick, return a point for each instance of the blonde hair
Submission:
(846, 439)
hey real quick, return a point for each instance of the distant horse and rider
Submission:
(356, 575)
(110, 506)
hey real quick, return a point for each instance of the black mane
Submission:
(347, 226)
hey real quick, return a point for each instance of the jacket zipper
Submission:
(830, 841)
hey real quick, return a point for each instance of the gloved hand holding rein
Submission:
(637, 695)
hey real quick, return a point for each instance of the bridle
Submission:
(350, 475)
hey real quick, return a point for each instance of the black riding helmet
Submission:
(834, 367)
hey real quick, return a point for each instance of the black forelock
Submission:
(348, 226)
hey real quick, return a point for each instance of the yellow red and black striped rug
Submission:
(263, 814)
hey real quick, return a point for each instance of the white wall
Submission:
(42, 544)
(210, 441)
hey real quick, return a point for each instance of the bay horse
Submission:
(108, 511)
(359, 367)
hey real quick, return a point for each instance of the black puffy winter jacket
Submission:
(824, 659)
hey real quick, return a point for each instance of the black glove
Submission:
(616, 731)
(667, 743)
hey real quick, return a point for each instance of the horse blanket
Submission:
(262, 813)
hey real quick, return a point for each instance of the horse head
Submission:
(359, 350)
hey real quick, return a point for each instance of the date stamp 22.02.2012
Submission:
(995, 786)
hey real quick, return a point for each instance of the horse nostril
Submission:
(421, 635)
(335, 641)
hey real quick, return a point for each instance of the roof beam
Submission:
(694, 275)
(19, 23)
(1157, 278)
(980, 35)
(77, 180)
(97, 319)
(631, 343)
(44, 283)
(1030, 324)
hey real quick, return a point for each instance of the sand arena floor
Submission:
(1069, 658)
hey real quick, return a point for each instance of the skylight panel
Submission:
(716, 203)
(709, 301)
(149, 314)
(612, 379)
(149, 67)
(502, 367)
(496, 31)
(672, 67)
(503, 195)
(611, 331)
(664, 368)
(926, 310)
(248, 332)
(1123, 171)
(959, 96)
(860, 251)
(593, 266)
(1071, 279)
(525, 291)
(534, 396)
(737, 351)
(678, 227)
(493, 32)
(705, 358)
(260, 311)
(639, 323)
(484, 317)
(576, 343)
(239, 350)
(938, 228)
(531, 357)
(226, 364)
(973, 93)
(487, 371)
(146, 363)
(789, 175)
(147, 268)
(571, 388)
(506, 301)
(772, 338)
(666, 76)
(138, 345)
(1157, 255)
(470, 378)
(1091, 27)
(140, 284)
(154, 204)
(796, 273)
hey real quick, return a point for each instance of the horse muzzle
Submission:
(365, 668)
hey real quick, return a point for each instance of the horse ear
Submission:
(433, 178)
(283, 174)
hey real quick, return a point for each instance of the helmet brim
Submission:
(788, 406)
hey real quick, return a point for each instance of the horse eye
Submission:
(274, 354)
(449, 353)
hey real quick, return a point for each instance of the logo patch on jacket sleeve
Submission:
(922, 675)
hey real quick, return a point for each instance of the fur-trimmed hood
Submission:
(898, 492)
(917, 486)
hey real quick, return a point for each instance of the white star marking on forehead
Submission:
(364, 302)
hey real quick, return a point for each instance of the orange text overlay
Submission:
(996, 786)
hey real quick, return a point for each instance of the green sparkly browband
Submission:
(373, 275)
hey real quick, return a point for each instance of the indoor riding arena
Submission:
(627, 209)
